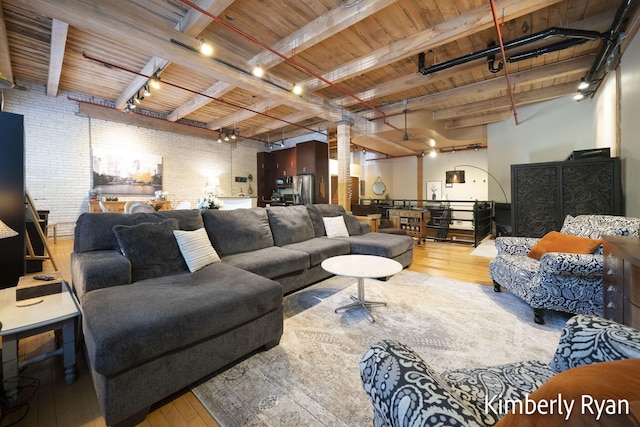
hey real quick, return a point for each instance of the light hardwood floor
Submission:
(56, 404)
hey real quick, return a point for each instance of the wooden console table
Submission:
(622, 279)
(160, 205)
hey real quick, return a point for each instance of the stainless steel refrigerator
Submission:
(304, 189)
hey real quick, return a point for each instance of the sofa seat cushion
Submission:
(270, 262)
(125, 326)
(380, 244)
(520, 268)
(238, 230)
(321, 248)
(290, 224)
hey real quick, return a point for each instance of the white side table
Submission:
(57, 311)
(361, 267)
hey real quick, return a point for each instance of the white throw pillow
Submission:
(335, 226)
(196, 248)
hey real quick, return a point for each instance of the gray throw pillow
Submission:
(151, 248)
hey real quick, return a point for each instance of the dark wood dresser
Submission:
(622, 279)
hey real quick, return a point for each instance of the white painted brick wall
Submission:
(58, 155)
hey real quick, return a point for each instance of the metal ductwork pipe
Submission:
(581, 35)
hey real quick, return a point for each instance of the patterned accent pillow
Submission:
(590, 339)
(196, 248)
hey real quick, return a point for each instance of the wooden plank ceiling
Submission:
(364, 51)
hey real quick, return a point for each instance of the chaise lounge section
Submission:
(152, 327)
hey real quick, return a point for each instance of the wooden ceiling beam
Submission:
(5, 58)
(192, 24)
(463, 25)
(495, 85)
(599, 22)
(499, 103)
(481, 119)
(318, 30)
(142, 33)
(59, 32)
(133, 119)
(311, 34)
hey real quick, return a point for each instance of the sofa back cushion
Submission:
(151, 248)
(290, 224)
(319, 211)
(594, 226)
(239, 230)
(94, 231)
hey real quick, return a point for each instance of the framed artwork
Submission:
(126, 173)
(434, 190)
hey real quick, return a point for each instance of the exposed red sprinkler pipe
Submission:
(222, 101)
(291, 61)
(506, 70)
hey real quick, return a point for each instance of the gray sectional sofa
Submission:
(151, 327)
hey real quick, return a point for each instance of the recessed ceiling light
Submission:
(297, 90)
(258, 72)
(206, 48)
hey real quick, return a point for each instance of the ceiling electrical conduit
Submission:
(289, 60)
(222, 101)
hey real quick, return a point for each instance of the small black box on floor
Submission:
(32, 287)
(590, 154)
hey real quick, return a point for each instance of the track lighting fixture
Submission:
(453, 150)
(583, 85)
(155, 81)
(137, 100)
(205, 48)
(145, 90)
(219, 138)
(233, 134)
(226, 136)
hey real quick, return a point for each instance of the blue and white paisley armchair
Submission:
(571, 283)
(406, 392)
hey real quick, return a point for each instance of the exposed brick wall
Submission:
(58, 155)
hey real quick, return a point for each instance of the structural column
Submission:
(344, 162)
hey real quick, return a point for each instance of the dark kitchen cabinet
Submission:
(312, 157)
(284, 162)
(264, 177)
(543, 194)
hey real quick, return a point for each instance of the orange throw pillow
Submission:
(554, 241)
(600, 394)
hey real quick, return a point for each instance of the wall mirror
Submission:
(378, 187)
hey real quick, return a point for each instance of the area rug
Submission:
(486, 249)
(312, 378)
